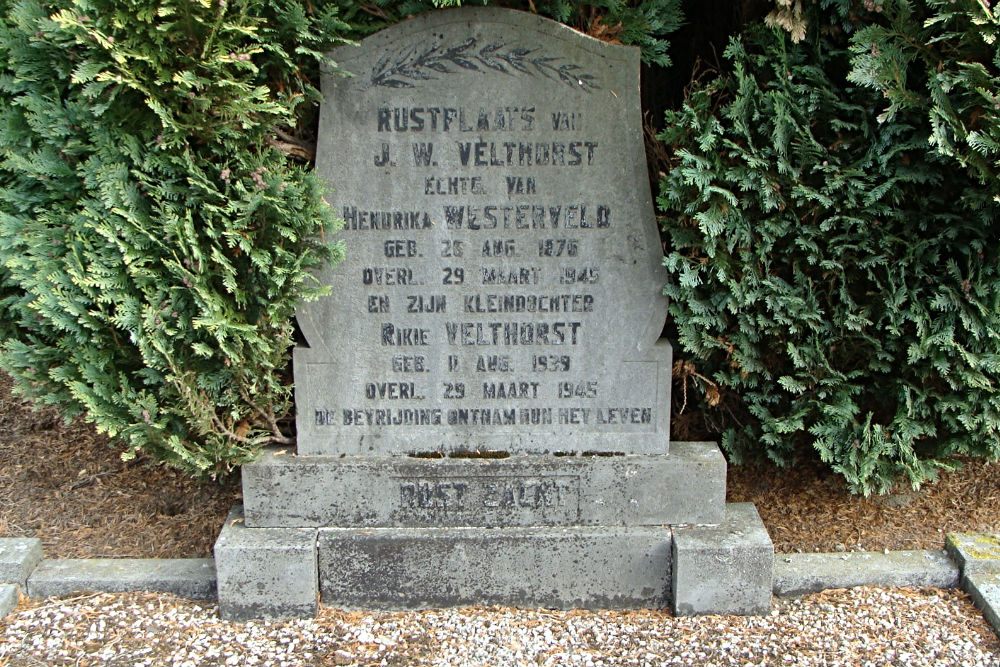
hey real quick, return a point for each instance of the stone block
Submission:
(18, 557)
(265, 572)
(561, 568)
(8, 599)
(187, 577)
(984, 589)
(686, 486)
(724, 569)
(799, 574)
(974, 552)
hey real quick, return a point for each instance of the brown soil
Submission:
(68, 486)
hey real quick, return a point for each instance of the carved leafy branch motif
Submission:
(438, 60)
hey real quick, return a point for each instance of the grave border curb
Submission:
(947, 568)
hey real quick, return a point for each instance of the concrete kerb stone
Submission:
(828, 570)
(984, 589)
(187, 577)
(18, 557)
(8, 598)
(979, 557)
(974, 552)
(800, 574)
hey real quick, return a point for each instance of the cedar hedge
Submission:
(832, 213)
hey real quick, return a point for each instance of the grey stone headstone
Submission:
(500, 304)
(503, 276)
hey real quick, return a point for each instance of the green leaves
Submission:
(830, 268)
(153, 244)
(939, 59)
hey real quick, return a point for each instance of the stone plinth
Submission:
(265, 572)
(560, 568)
(686, 486)
(724, 569)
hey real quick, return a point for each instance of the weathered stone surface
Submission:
(686, 486)
(983, 587)
(18, 557)
(799, 574)
(724, 569)
(974, 552)
(502, 288)
(265, 572)
(563, 568)
(978, 556)
(187, 577)
(8, 599)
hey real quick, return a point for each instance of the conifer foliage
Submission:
(835, 276)
(940, 59)
(153, 238)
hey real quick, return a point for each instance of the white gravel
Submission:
(861, 626)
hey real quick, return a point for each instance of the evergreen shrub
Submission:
(834, 269)
(154, 237)
(939, 59)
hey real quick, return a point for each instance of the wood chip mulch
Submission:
(68, 486)
(807, 508)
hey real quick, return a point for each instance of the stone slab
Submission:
(799, 574)
(18, 557)
(265, 572)
(503, 288)
(686, 486)
(8, 598)
(974, 552)
(561, 568)
(187, 577)
(724, 569)
(984, 589)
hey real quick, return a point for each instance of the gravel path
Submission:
(862, 626)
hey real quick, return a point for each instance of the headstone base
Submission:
(688, 485)
(724, 569)
(265, 572)
(556, 568)
(649, 550)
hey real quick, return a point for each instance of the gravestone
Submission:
(482, 406)
(502, 287)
